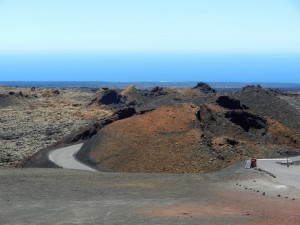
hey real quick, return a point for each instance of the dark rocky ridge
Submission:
(263, 102)
(246, 120)
(157, 91)
(108, 97)
(205, 88)
(230, 103)
(145, 100)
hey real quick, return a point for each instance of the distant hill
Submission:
(221, 86)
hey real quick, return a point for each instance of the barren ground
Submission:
(58, 196)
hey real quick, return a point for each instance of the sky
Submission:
(259, 26)
(228, 40)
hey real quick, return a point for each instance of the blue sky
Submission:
(234, 40)
(150, 25)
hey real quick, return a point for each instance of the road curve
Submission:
(64, 157)
(285, 175)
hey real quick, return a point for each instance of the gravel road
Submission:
(285, 175)
(64, 157)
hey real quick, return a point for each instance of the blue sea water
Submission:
(140, 67)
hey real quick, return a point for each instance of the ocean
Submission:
(150, 67)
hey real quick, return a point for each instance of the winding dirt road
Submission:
(290, 176)
(64, 157)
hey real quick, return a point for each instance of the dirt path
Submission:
(64, 157)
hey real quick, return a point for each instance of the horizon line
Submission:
(143, 51)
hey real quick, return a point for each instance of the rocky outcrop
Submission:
(134, 97)
(204, 88)
(229, 102)
(246, 120)
(55, 92)
(130, 89)
(252, 88)
(108, 97)
(157, 91)
(263, 102)
(124, 113)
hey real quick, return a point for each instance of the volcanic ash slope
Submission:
(189, 138)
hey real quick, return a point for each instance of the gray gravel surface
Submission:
(286, 175)
(59, 196)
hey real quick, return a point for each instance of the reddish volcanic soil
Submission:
(169, 137)
(231, 207)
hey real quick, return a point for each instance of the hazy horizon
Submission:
(281, 68)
